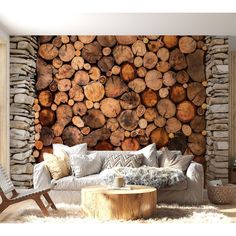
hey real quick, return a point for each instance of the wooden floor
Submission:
(11, 210)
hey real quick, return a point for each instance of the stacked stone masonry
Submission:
(217, 115)
(23, 55)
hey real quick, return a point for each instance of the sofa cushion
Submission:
(166, 157)
(74, 183)
(105, 154)
(86, 164)
(177, 187)
(76, 149)
(60, 153)
(180, 162)
(123, 160)
(57, 166)
(149, 153)
(160, 152)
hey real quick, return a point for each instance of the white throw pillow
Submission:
(83, 165)
(78, 149)
(150, 155)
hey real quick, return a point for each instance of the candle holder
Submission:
(119, 182)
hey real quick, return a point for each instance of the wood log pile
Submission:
(121, 92)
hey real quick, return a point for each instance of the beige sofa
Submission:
(67, 189)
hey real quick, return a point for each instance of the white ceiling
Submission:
(69, 17)
(119, 23)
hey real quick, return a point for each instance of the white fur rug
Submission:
(164, 214)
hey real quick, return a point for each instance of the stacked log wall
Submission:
(121, 93)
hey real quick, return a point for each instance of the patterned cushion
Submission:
(123, 160)
(144, 175)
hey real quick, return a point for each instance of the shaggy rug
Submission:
(164, 214)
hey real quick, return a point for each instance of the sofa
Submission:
(68, 189)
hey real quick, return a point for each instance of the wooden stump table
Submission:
(103, 203)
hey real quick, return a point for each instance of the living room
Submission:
(111, 124)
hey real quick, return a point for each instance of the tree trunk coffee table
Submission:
(103, 203)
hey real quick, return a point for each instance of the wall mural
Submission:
(121, 92)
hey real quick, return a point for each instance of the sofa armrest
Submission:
(195, 176)
(195, 172)
(41, 176)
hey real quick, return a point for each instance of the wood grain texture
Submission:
(135, 89)
(103, 204)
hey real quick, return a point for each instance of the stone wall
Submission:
(22, 92)
(217, 115)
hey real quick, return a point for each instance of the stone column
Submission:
(217, 115)
(22, 92)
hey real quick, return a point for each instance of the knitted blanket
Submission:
(144, 175)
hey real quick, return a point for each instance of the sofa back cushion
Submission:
(160, 152)
(76, 149)
(79, 149)
(105, 154)
(123, 160)
(85, 164)
(149, 154)
(175, 160)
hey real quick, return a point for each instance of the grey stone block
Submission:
(27, 46)
(22, 169)
(23, 98)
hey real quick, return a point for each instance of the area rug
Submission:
(164, 214)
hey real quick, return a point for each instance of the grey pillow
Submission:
(83, 165)
(174, 160)
(160, 155)
(123, 160)
(149, 153)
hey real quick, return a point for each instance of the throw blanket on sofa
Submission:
(144, 175)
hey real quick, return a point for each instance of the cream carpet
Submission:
(164, 214)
